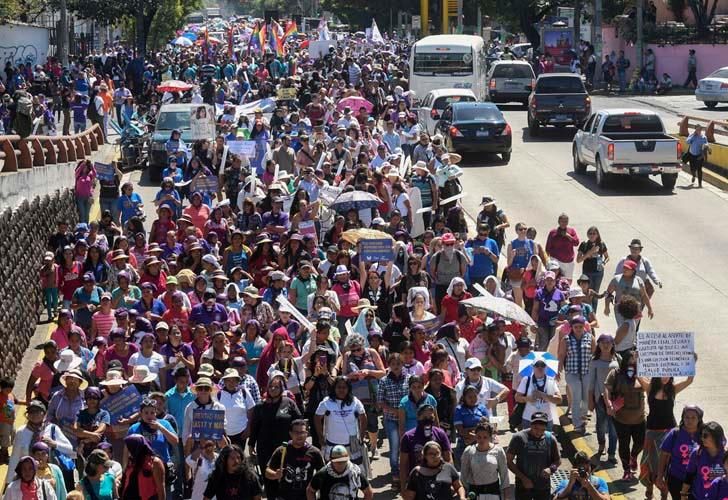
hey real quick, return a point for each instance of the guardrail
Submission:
(18, 153)
(710, 128)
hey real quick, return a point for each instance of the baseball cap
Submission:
(473, 364)
(339, 453)
(629, 264)
(539, 416)
(523, 342)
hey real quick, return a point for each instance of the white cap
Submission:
(473, 364)
(162, 326)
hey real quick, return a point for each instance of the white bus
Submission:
(448, 61)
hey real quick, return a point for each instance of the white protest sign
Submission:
(338, 170)
(287, 202)
(451, 199)
(349, 329)
(404, 167)
(276, 172)
(244, 148)
(328, 194)
(482, 291)
(666, 354)
(424, 210)
(286, 305)
(225, 150)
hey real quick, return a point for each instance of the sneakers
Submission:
(600, 452)
(612, 459)
(375, 453)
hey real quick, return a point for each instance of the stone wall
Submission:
(24, 232)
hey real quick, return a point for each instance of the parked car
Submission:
(477, 127)
(173, 117)
(436, 100)
(627, 142)
(510, 81)
(713, 88)
(558, 99)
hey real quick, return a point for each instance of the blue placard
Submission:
(208, 424)
(122, 404)
(104, 171)
(379, 250)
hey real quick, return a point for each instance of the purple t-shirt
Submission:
(549, 305)
(169, 351)
(718, 489)
(414, 440)
(704, 469)
(200, 314)
(679, 444)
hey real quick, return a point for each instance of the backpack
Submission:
(91, 111)
(457, 252)
(24, 105)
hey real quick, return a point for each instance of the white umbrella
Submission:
(501, 307)
(183, 41)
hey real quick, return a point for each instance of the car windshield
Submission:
(477, 114)
(512, 71)
(444, 101)
(443, 63)
(721, 73)
(170, 120)
(560, 85)
(632, 123)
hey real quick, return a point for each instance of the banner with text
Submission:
(376, 250)
(208, 424)
(122, 404)
(666, 354)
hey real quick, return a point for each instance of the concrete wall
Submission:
(671, 59)
(23, 44)
(36, 182)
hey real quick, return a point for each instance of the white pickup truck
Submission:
(627, 142)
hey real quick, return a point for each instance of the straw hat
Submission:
(113, 377)
(230, 373)
(141, 375)
(67, 361)
(75, 373)
(363, 304)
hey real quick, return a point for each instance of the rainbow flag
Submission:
(261, 37)
(255, 38)
(291, 30)
(276, 39)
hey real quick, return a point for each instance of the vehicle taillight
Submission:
(454, 132)
(724, 85)
(433, 113)
(679, 150)
(610, 152)
(507, 130)
(587, 102)
(492, 83)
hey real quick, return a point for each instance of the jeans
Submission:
(626, 433)
(51, 301)
(605, 425)
(595, 281)
(391, 429)
(110, 205)
(83, 204)
(579, 397)
(79, 127)
(622, 75)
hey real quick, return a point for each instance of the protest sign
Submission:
(376, 250)
(122, 404)
(666, 354)
(286, 305)
(451, 199)
(328, 194)
(205, 184)
(202, 123)
(104, 171)
(308, 228)
(242, 148)
(286, 93)
(208, 424)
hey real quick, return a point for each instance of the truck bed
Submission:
(637, 136)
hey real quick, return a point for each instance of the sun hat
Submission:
(341, 269)
(141, 375)
(251, 291)
(576, 293)
(67, 361)
(74, 373)
(420, 165)
(203, 382)
(206, 370)
(230, 373)
(363, 304)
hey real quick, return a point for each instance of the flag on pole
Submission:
(323, 29)
(256, 39)
(291, 30)
(276, 39)
(376, 35)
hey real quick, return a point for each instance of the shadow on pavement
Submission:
(549, 134)
(471, 160)
(623, 186)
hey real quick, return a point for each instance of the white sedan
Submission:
(713, 88)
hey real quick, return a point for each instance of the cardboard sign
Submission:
(208, 424)
(286, 93)
(308, 228)
(379, 250)
(242, 148)
(206, 184)
(666, 354)
(122, 404)
(104, 171)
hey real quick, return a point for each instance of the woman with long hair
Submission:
(603, 362)
(233, 477)
(144, 476)
(248, 218)
(339, 418)
(675, 451)
(397, 330)
(705, 463)
(268, 356)
(71, 272)
(484, 466)
(320, 372)
(434, 478)
(468, 414)
(98, 482)
(26, 483)
(593, 254)
(96, 264)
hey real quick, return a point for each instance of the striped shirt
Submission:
(104, 323)
(391, 391)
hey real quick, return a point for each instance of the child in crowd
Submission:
(49, 283)
(7, 417)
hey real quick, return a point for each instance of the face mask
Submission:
(449, 251)
(630, 372)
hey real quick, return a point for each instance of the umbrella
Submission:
(355, 103)
(354, 235)
(183, 41)
(190, 35)
(357, 200)
(174, 86)
(210, 39)
(502, 307)
(525, 366)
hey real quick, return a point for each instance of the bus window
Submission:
(450, 63)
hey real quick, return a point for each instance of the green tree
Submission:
(704, 13)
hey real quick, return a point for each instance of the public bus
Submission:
(448, 61)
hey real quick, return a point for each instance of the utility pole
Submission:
(640, 35)
(597, 38)
(62, 35)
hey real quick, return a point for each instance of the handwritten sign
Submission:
(122, 404)
(328, 194)
(242, 148)
(286, 93)
(666, 354)
(104, 171)
(376, 250)
(208, 424)
(205, 184)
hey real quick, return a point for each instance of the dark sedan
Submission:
(476, 127)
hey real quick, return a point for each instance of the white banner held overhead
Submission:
(286, 305)
(666, 354)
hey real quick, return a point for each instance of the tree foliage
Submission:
(704, 12)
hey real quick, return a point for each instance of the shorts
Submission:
(372, 418)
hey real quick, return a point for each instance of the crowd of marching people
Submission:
(241, 342)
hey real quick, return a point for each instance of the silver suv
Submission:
(510, 81)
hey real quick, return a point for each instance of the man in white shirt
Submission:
(238, 405)
(348, 119)
(490, 392)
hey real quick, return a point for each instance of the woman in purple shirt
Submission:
(675, 451)
(705, 463)
(719, 487)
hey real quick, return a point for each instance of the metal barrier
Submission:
(710, 128)
(39, 150)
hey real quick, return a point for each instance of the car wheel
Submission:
(532, 126)
(506, 157)
(710, 104)
(579, 167)
(668, 181)
(603, 178)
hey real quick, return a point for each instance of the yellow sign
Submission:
(286, 93)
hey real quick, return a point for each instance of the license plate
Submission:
(481, 133)
(560, 118)
(511, 84)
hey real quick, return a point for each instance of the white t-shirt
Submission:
(201, 470)
(340, 422)
(539, 405)
(155, 362)
(628, 342)
(415, 368)
(399, 204)
(489, 388)
(236, 406)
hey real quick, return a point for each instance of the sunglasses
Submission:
(449, 244)
(204, 389)
(519, 229)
